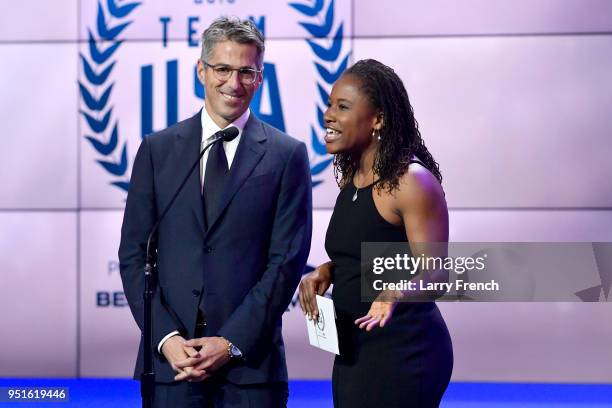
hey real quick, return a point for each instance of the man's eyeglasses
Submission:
(223, 72)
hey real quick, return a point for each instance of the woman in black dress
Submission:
(393, 353)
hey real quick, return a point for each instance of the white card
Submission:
(322, 333)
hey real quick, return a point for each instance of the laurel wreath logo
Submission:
(96, 93)
(328, 69)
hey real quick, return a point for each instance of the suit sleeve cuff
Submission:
(161, 343)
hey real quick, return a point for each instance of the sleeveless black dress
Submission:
(408, 363)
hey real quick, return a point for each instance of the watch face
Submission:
(235, 352)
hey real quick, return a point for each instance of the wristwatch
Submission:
(233, 351)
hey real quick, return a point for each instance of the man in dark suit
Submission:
(231, 250)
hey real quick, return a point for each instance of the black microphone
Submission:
(226, 135)
(147, 378)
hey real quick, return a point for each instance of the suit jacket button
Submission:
(208, 249)
(195, 292)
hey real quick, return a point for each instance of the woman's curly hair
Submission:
(400, 138)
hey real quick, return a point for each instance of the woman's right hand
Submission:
(315, 283)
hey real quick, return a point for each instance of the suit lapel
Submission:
(249, 153)
(187, 147)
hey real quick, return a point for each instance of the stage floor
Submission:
(121, 393)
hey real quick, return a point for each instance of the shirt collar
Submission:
(209, 127)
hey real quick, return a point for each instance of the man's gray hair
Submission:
(232, 29)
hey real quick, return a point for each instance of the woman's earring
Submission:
(376, 134)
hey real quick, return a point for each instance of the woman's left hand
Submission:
(380, 312)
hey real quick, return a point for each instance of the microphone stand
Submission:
(147, 378)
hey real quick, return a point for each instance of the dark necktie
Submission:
(215, 177)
